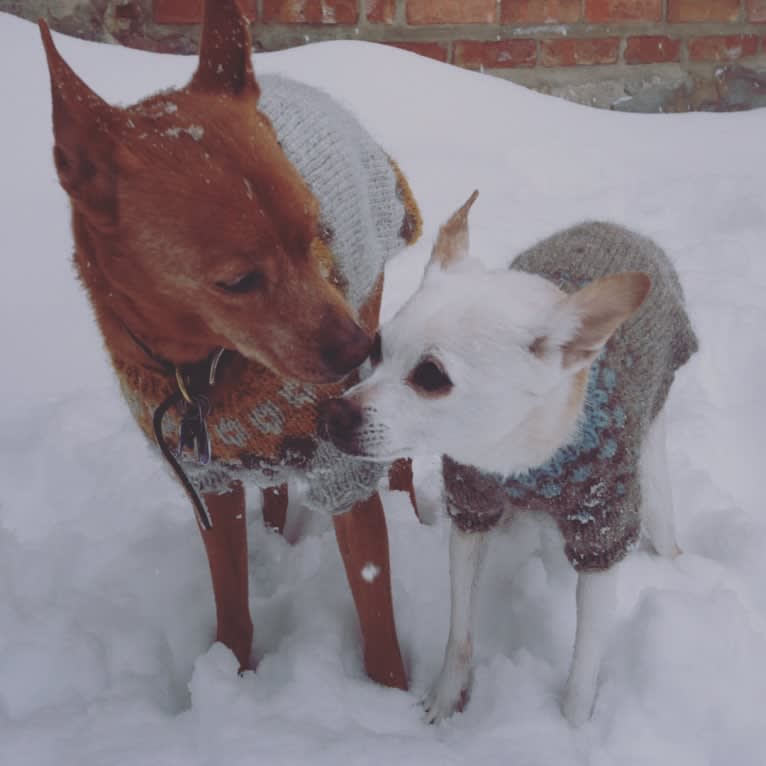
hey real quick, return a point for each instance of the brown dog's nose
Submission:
(344, 345)
(339, 420)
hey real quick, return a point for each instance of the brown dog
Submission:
(212, 263)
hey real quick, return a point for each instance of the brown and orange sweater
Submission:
(261, 424)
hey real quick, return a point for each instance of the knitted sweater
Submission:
(260, 423)
(591, 486)
(366, 207)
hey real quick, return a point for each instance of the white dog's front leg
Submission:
(452, 688)
(596, 605)
(657, 500)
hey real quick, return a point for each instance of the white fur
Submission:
(596, 604)
(452, 687)
(512, 404)
(656, 492)
(479, 324)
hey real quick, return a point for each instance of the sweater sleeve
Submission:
(336, 481)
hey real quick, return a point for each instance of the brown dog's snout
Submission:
(344, 345)
(339, 420)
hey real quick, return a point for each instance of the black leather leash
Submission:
(194, 381)
(202, 515)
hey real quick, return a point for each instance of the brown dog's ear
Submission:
(452, 242)
(225, 51)
(83, 128)
(601, 307)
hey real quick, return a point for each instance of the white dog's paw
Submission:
(577, 705)
(450, 694)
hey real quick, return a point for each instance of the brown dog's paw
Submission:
(240, 643)
(387, 668)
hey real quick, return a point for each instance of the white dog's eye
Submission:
(376, 351)
(428, 377)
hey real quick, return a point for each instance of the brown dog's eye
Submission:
(429, 377)
(247, 283)
(376, 350)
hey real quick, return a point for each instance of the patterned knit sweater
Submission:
(591, 486)
(260, 423)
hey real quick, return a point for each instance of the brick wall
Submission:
(641, 54)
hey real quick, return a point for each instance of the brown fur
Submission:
(162, 217)
(452, 241)
(603, 306)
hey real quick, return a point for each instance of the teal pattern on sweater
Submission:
(596, 442)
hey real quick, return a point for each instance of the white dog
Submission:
(542, 386)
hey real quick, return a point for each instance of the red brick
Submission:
(573, 52)
(435, 51)
(499, 54)
(380, 11)
(311, 11)
(128, 12)
(178, 11)
(722, 47)
(190, 11)
(703, 10)
(451, 11)
(649, 49)
(539, 11)
(756, 11)
(601, 11)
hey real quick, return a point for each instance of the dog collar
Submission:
(194, 382)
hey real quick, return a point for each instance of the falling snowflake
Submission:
(370, 572)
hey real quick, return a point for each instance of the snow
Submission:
(370, 572)
(106, 611)
(195, 131)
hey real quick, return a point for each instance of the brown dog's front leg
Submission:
(400, 479)
(275, 508)
(363, 541)
(226, 547)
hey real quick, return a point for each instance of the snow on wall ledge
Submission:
(629, 55)
(106, 614)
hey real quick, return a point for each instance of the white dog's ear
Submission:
(452, 242)
(599, 309)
